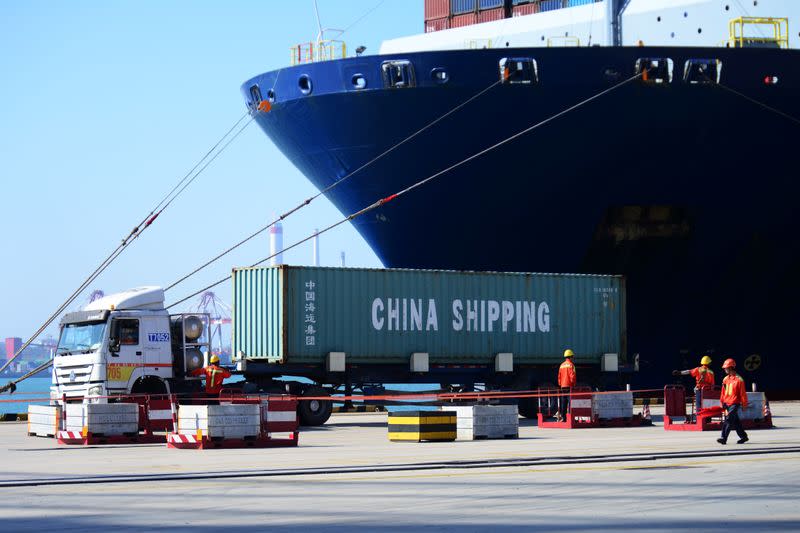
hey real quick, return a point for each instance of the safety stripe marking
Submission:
(436, 435)
(417, 428)
(414, 420)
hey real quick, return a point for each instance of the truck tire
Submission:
(149, 385)
(314, 412)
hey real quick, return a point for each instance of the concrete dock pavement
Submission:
(347, 474)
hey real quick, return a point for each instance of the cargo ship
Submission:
(676, 171)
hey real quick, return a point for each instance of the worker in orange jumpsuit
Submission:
(703, 377)
(733, 400)
(215, 375)
(566, 380)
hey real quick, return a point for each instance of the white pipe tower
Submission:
(276, 244)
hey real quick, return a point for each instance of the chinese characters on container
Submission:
(310, 320)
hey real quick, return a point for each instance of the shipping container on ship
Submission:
(521, 9)
(437, 24)
(461, 21)
(460, 7)
(436, 9)
(488, 15)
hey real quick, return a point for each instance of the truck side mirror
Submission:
(113, 346)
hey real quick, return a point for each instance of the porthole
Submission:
(685, 14)
(699, 30)
(672, 35)
(359, 81)
(271, 96)
(305, 84)
(659, 19)
(440, 75)
(727, 8)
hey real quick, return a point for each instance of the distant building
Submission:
(13, 344)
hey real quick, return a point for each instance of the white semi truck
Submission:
(128, 343)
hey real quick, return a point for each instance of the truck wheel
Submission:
(149, 385)
(314, 412)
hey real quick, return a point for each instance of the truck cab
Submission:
(126, 343)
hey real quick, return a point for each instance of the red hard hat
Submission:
(729, 363)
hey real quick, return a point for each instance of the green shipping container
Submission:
(289, 314)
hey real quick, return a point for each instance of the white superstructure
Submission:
(647, 22)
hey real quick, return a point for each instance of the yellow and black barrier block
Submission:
(418, 426)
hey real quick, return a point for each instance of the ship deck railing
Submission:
(315, 51)
(738, 27)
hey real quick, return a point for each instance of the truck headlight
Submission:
(97, 390)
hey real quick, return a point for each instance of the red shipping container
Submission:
(489, 15)
(436, 9)
(468, 19)
(525, 9)
(437, 24)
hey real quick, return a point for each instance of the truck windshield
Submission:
(80, 338)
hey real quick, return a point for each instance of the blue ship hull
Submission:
(687, 190)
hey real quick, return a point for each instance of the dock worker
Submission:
(703, 377)
(733, 400)
(215, 375)
(566, 380)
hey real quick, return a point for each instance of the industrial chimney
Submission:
(276, 244)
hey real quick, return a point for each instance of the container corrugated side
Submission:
(383, 316)
(259, 312)
(524, 9)
(491, 14)
(490, 4)
(458, 7)
(436, 9)
(460, 21)
(550, 5)
(437, 24)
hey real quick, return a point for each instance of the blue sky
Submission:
(105, 105)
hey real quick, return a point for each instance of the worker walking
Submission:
(566, 380)
(704, 379)
(215, 375)
(733, 400)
